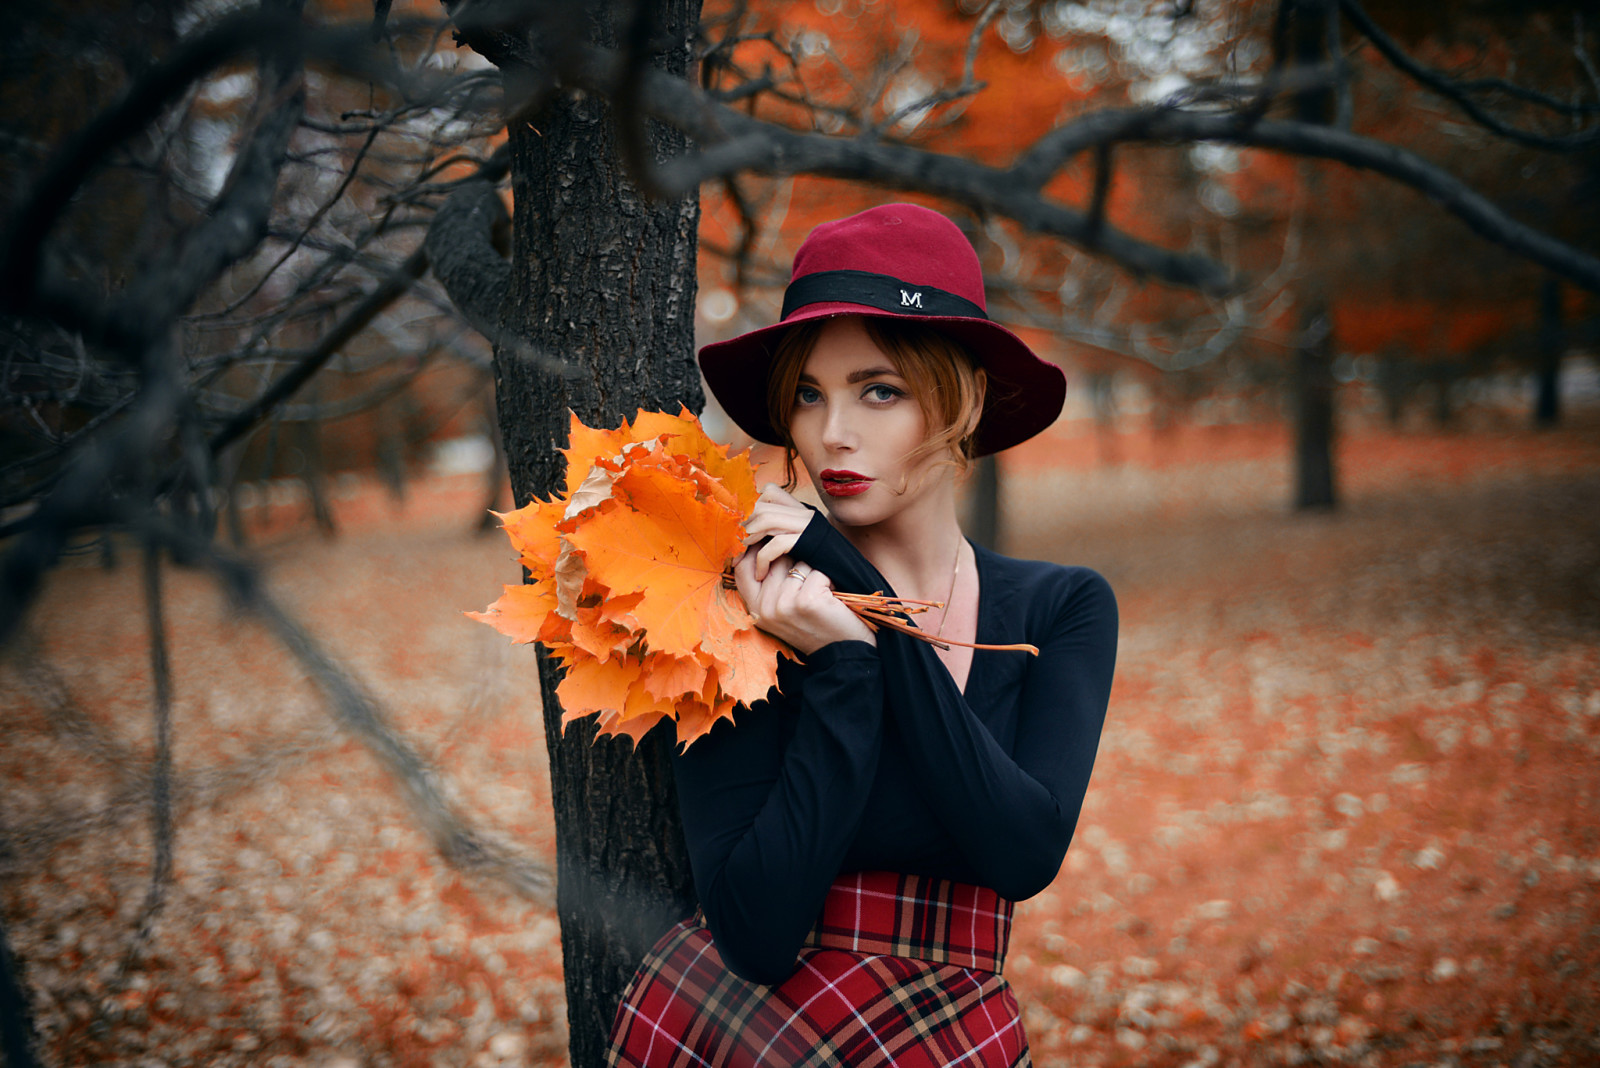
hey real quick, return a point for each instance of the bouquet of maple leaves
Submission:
(628, 582)
(625, 579)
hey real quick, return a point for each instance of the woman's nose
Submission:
(839, 431)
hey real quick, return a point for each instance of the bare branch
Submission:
(1102, 190)
(1580, 52)
(752, 144)
(160, 769)
(1459, 93)
(37, 212)
(1316, 141)
(310, 224)
(632, 143)
(380, 16)
(466, 262)
(312, 361)
(235, 223)
(81, 497)
(358, 712)
(975, 38)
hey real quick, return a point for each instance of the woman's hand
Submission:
(780, 519)
(795, 602)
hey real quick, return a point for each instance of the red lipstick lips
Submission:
(844, 483)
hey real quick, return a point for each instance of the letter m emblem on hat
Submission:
(910, 299)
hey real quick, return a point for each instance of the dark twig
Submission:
(751, 228)
(194, 58)
(1099, 194)
(1460, 93)
(314, 358)
(160, 769)
(380, 16)
(1318, 142)
(632, 142)
(358, 712)
(310, 224)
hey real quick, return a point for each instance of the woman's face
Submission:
(855, 421)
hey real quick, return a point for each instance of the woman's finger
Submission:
(774, 492)
(776, 548)
(769, 518)
(744, 577)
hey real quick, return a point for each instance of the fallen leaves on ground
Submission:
(1345, 810)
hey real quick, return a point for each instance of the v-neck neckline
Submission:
(979, 629)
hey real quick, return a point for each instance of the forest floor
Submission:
(1346, 808)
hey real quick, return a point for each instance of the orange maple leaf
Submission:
(697, 714)
(670, 677)
(520, 612)
(599, 630)
(592, 685)
(532, 530)
(745, 661)
(670, 545)
(681, 435)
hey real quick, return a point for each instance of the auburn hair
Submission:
(942, 375)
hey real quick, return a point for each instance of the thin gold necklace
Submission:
(949, 601)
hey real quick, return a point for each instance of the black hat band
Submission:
(882, 291)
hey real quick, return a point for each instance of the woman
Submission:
(857, 840)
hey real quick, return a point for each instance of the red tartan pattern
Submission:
(915, 916)
(900, 970)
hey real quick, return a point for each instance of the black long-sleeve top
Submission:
(872, 759)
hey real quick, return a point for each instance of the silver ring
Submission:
(794, 573)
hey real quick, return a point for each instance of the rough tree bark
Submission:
(595, 314)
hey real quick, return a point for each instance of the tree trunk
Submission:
(599, 318)
(1313, 414)
(16, 1018)
(983, 503)
(1547, 398)
(1308, 24)
(1394, 384)
(1444, 401)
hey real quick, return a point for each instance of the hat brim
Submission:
(1024, 393)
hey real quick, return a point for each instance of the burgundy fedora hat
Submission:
(896, 261)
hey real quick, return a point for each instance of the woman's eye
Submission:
(807, 395)
(881, 393)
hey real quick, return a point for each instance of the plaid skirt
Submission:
(900, 970)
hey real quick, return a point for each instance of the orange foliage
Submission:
(1373, 252)
(1424, 327)
(625, 579)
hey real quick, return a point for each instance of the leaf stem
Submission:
(877, 610)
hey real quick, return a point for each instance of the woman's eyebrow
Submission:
(855, 376)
